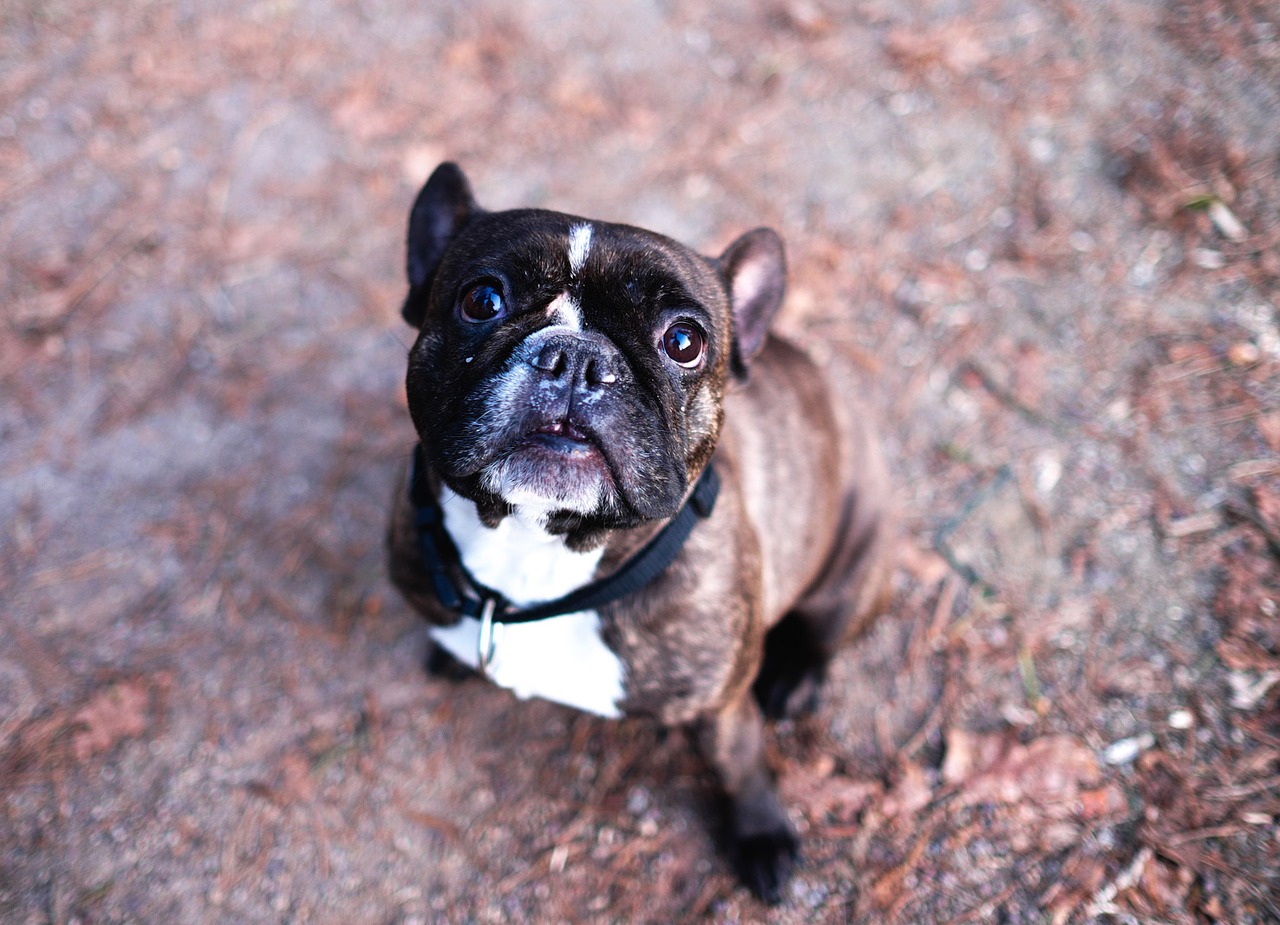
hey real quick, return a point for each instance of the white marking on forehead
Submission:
(579, 247)
(565, 312)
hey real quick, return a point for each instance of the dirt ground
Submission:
(1049, 232)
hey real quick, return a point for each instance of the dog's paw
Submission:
(765, 862)
(440, 663)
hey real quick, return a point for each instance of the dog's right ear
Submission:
(443, 206)
(754, 269)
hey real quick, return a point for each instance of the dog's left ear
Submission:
(443, 206)
(754, 268)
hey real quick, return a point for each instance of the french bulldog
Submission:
(575, 385)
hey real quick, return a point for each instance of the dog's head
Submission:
(569, 368)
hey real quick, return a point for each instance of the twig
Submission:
(943, 534)
(1102, 901)
(1240, 791)
(1217, 831)
(1007, 398)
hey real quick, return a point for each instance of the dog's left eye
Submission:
(685, 343)
(482, 303)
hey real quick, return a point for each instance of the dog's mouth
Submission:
(564, 438)
(557, 464)
(564, 443)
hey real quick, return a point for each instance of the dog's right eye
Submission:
(482, 303)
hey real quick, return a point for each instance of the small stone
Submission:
(1226, 222)
(1126, 750)
(1243, 353)
(1081, 241)
(170, 159)
(1042, 149)
(1048, 472)
(559, 857)
(1207, 259)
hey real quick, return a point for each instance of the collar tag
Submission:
(487, 640)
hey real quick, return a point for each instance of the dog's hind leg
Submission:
(852, 592)
(793, 669)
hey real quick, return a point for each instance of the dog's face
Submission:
(569, 368)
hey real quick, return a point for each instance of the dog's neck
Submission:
(517, 556)
(581, 533)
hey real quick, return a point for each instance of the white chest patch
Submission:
(563, 659)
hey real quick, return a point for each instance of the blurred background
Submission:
(1048, 232)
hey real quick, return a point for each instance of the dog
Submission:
(628, 495)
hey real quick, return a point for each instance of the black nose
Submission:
(586, 363)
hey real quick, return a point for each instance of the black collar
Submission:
(469, 598)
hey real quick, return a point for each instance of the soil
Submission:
(1049, 233)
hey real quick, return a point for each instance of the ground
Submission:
(1049, 233)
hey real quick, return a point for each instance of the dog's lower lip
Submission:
(562, 443)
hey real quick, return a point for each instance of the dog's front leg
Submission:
(763, 845)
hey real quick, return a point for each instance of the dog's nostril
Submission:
(586, 366)
(550, 359)
(601, 371)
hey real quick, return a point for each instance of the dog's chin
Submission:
(548, 473)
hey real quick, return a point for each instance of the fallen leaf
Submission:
(1267, 503)
(959, 47)
(1240, 654)
(841, 798)
(1168, 886)
(295, 782)
(925, 565)
(1247, 691)
(1102, 802)
(824, 795)
(1269, 427)
(1052, 772)
(967, 753)
(911, 793)
(112, 714)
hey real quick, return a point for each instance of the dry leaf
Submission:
(925, 565)
(910, 794)
(1240, 654)
(959, 47)
(1269, 427)
(1053, 772)
(295, 784)
(1105, 801)
(1267, 503)
(115, 713)
(823, 794)
(1168, 886)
